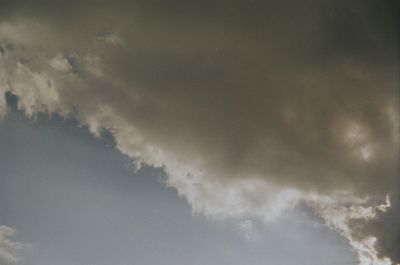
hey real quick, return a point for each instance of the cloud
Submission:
(248, 107)
(248, 229)
(347, 220)
(9, 249)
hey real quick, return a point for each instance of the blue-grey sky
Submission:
(76, 201)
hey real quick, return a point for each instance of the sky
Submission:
(75, 200)
(240, 132)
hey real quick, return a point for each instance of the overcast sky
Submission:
(200, 132)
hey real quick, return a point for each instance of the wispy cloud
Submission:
(10, 250)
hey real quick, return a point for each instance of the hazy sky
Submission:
(276, 118)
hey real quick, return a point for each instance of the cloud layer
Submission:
(249, 107)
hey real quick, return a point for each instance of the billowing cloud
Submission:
(248, 107)
(9, 249)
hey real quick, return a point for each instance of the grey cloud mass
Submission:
(250, 107)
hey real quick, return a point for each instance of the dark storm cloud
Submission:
(263, 102)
